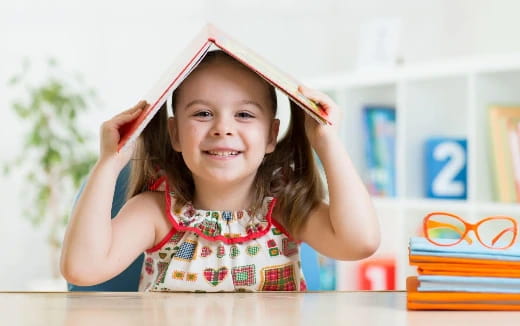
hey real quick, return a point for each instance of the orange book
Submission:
(458, 300)
(417, 260)
(451, 269)
(450, 266)
(210, 38)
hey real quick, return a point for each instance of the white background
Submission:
(121, 48)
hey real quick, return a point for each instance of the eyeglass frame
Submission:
(472, 227)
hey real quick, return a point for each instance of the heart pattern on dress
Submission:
(205, 251)
(253, 250)
(215, 276)
(234, 251)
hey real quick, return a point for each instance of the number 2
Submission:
(443, 184)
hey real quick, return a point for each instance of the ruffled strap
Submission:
(158, 184)
(226, 226)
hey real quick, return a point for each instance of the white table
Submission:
(265, 309)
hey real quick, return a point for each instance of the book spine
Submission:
(379, 130)
(514, 146)
(497, 150)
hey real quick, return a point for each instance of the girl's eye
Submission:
(203, 114)
(245, 115)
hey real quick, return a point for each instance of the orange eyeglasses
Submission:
(446, 229)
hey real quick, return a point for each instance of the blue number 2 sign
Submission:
(445, 165)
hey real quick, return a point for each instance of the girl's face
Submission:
(224, 123)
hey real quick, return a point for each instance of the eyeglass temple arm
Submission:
(495, 239)
(435, 224)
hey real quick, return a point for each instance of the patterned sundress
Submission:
(212, 251)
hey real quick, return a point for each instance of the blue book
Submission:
(420, 246)
(327, 268)
(379, 142)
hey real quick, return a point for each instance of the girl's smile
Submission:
(222, 153)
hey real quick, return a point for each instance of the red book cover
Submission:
(212, 38)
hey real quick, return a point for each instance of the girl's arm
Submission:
(347, 228)
(95, 247)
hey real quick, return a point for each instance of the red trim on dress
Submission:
(153, 187)
(222, 238)
(157, 183)
(284, 231)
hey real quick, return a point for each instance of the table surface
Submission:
(268, 308)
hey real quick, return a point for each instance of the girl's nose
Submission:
(222, 128)
(222, 133)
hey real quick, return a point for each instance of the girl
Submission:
(215, 202)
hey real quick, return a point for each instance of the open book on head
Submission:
(210, 38)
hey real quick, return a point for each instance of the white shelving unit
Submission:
(438, 99)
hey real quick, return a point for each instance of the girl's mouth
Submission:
(223, 154)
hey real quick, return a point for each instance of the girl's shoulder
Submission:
(153, 207)
(149, 198)
(149, 203)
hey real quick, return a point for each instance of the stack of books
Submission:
(463, 277)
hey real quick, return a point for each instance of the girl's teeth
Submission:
(223, 153)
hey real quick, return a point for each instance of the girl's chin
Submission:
(223, 179)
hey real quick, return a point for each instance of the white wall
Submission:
(121, 47)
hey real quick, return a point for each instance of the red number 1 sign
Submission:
(377, 274)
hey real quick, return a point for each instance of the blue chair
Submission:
(128, 280)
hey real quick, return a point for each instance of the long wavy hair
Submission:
(289, 173)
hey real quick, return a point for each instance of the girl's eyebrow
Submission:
(207, 103)
(250, 102)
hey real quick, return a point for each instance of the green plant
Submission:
(54, 157)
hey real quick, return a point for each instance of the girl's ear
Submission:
(273, 136)
(174, 134)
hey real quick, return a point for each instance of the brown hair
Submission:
(289, 173)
